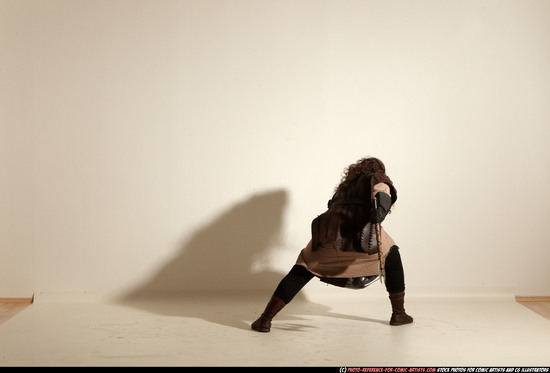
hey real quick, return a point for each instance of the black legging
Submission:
(299, 276)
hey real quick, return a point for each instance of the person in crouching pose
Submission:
(345, 250)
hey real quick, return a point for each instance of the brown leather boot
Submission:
(399, 317)
(263, 324)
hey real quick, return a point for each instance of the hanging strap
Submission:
(381, 270)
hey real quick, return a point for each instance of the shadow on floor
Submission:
(220, 256)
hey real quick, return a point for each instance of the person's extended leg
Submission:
(395, 285)
(287, 289)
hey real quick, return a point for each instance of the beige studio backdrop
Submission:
(177, 145)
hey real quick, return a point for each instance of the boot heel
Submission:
(263, 324)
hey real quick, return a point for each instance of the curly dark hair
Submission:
(364, 166)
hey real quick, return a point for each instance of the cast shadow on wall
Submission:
(214, 266)
(220, 254)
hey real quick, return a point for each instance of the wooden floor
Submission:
(9, 308)
(540, 305)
